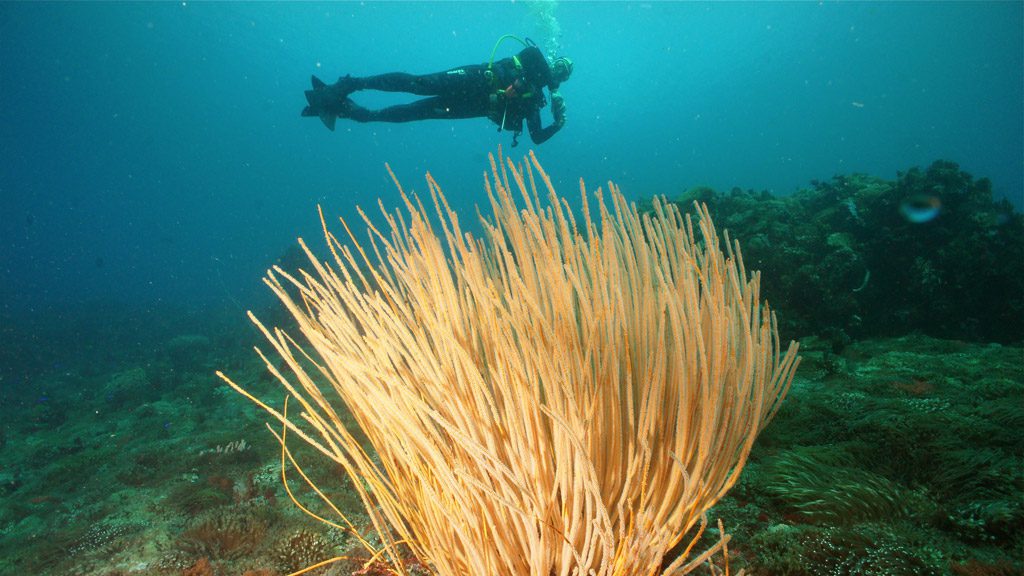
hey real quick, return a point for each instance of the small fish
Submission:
(920, 208)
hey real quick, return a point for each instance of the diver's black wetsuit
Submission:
(508, 96)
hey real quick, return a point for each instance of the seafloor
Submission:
(896, 456)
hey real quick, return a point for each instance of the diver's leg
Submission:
(465, 80)
(423, 109)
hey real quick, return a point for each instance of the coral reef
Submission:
(856, 257)
(890, 462)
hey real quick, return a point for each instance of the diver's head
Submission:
(561, 69)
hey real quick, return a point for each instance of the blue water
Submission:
(153, 152)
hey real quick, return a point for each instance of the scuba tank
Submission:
(512, 90)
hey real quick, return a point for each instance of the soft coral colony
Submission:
(555, 397)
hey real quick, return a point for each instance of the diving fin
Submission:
(328, 101)
(325, 102)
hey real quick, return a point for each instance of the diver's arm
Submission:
(540, 135)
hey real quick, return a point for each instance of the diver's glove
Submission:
(558, 108)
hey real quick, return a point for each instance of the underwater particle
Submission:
(920, 208)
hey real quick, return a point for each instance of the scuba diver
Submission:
(508, 91)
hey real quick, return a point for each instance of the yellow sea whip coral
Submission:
(553, 398)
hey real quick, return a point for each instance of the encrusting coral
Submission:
(557, 397)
